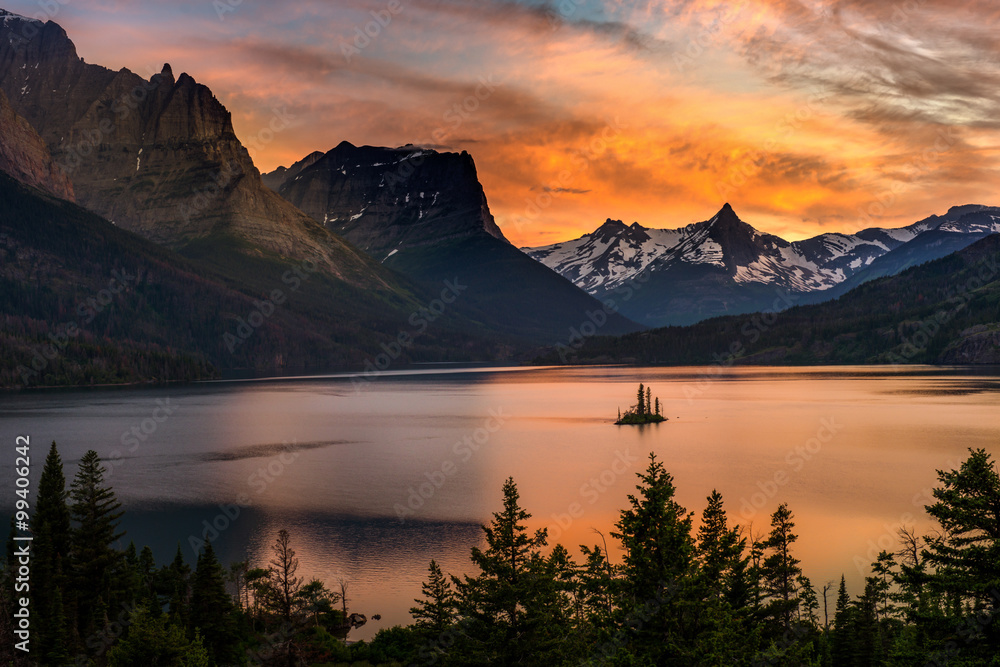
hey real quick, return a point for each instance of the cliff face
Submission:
(24, 155)
(159, 157)
(389, 199)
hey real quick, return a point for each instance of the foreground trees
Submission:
(713, 597)
(677, 595)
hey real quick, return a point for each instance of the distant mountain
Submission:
(85, 302)
(158, 157)
(946, 311)
(725, 266)
(425, 214)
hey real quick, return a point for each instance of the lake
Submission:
(375, 477)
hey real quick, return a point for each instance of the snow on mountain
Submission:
(615, 254)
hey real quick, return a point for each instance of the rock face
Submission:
(389, 199)
(157, 156)
(977, 345)
(24, 155)
(425, 215)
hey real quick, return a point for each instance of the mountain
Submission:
(725, 266)
(425, 214)
(86, 302)
(946, 311)
(24, 155)
(157, 156)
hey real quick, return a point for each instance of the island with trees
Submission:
(645, 411)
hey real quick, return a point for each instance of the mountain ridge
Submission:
(731, 267)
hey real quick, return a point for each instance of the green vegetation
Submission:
(925, 314)
(715, 595)
(99, 305)
(645, 411)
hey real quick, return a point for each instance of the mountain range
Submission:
(946, 311)
(424, 214)
(724, 266)
(359, 257)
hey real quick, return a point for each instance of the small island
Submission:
(645, 411)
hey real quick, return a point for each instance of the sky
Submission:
(807, 116)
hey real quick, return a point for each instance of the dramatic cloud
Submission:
(806, 115)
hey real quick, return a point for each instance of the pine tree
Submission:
(174, 585)
(96, 512)
(314, 599)
(719, 547)
(283, 568)
(500, 605)
(212, 608)
(658, 407)
(780, 571)
(966, 555)
(51, 546)
(649, 400)
(658, 568)
(640, 408)
(156, 641)
(435, 613)
(843, 628)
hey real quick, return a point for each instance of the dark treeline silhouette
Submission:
(93, 604)
(714, 595)
(645, 411)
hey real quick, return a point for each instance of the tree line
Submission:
(93, 603)
(681, 593)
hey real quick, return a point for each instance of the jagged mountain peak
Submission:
(388, 199)
(7, 15)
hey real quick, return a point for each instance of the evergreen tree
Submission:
(658, 407)
(649, 400)
(51, 547)
(174, 585)
(314, 599)
(658, 569)
(843, 628)
(435, 613)
(95, 562)
(501, 605)
(283, 580)
(640, 408)
(780, 571)
(156, 642)
(212, 608)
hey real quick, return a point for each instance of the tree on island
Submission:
(645, 411)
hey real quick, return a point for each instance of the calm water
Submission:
(374, 480)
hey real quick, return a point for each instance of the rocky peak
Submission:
(387, 199)
(24, 155)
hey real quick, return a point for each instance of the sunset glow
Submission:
(812, 116)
